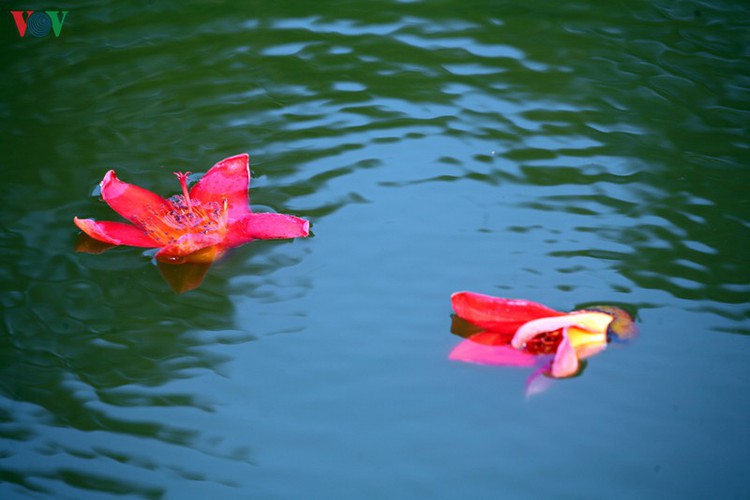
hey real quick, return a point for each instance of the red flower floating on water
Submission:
(524, 333)
(197, 226)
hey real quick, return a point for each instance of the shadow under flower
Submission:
(181, 277)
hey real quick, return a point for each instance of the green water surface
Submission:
(564, 152)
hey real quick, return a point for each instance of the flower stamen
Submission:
(183, 177)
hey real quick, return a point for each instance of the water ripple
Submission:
(560, 150)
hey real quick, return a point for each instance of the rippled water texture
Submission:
(565, 152)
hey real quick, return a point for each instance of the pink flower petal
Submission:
(497, 355)
(266, 226)
(496, 313)
(115, 233)
(227, 180)
(566, 361)
(139, 206)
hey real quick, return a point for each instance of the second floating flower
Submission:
(514, 332)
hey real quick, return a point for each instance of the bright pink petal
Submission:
(115, 233)
(189, 244)
(566, 361)
(139, 206)
(227, 180)
(588, 320)
(266, 226)
(502, 355)
(496, 313)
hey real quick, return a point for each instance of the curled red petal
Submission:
(227, 181)
(115, 233)
(591, 321)
(267, 226)
(136, 204)
(496, 313)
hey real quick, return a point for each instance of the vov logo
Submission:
(39, 23)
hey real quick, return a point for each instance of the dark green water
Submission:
(591, 152)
